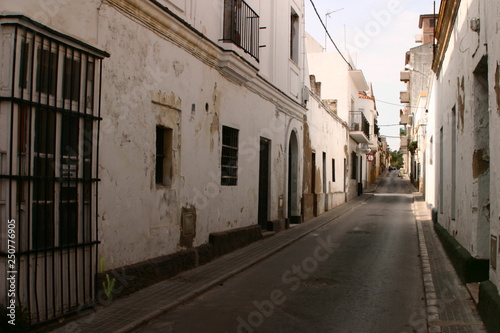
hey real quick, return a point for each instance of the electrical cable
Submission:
(331, 39)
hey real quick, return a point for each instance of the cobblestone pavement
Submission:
(450, 307)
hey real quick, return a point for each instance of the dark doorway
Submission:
(293, 181)
(264, 182)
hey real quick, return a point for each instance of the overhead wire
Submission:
(328, 34)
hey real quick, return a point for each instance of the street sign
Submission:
(370, 157)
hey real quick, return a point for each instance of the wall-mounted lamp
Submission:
(411, 68)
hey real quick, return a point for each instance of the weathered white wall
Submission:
(456, 88)
(175, 78)
(327, 134)
(164, 88)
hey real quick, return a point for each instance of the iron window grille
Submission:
(229, 156)
(49, 125)
(241, 26)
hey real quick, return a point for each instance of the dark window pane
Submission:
(23, 65)
(45, 130)
(69, 135)
(68, 223)
(43, 225)
(160, 154)
(46, 72)
(71, 83)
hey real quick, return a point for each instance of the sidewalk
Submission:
(129, 312)
(450, 307)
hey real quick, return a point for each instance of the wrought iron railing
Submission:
(241, 26)
(358, 122)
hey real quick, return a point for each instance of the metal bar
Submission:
(55, 248)
(48, 107)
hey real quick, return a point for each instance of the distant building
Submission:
(418, 79)
(345, 87)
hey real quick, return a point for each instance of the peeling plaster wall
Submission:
(152, 80)
(164, 88)
(325, 133)
(468, 84)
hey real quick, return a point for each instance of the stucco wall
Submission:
(465, 98)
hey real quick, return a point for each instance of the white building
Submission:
(463, 144)
(346, 86)
(132, 130)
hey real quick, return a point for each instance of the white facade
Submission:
(167, 73)
(464, 106)
(346, 87)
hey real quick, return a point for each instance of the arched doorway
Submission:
(293, 179)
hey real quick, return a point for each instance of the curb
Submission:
(429, 289)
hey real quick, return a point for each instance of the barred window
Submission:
(49, 115)
(229, 156)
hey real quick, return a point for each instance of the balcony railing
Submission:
(358, 122)
(241, 26)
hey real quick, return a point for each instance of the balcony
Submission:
(404, 76)
(403, 118)
(359, 127)
(404, 97)
(241, 26)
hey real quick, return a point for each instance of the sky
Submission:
(377, 33)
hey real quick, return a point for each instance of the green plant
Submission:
(109, 284)
(413, 146)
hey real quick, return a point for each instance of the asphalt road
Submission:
(359, 273)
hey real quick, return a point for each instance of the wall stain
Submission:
(461, 103)
(497, 87)
(215, 124)
(480, 163)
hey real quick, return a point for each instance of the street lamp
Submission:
(410, 68)
(327, 15)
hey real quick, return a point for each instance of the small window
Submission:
(333, 170)
(163, 155)
(229, 156)
(432, 23)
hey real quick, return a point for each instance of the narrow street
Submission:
(359, 273)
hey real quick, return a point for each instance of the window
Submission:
(163, 155)
(229, 156)
(294, 36)
(333, 170)
(50, 164)
(354, 165)
(432, 23)
(324, 173)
